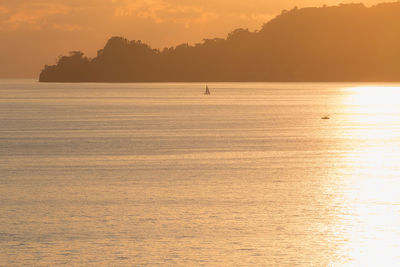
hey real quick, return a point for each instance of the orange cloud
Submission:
(161, 11)
(67, 27)
(258, 17)
(30, 15)
(4, 10)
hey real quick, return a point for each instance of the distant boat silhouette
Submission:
(207, 92)
(326, 117)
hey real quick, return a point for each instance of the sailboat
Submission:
(207, 92)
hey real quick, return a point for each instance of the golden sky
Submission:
(36, 32)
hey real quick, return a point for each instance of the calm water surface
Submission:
(160, 174)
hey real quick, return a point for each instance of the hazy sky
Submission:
(36, 32)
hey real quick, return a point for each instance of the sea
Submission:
(160, 174)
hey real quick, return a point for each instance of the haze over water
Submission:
(161, 174)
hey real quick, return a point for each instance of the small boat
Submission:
(326, 117)
(207, 92)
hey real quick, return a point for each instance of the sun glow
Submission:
(375, 110)
(373, 209)
(372, 195)
(374, 98)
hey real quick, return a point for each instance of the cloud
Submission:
(4, 10)
(74, 15)
(160, 11)
(257, 17)
(33, 16)
(67, 27)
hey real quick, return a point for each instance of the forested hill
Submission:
(338, 43)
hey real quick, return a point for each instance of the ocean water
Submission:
(161, 174)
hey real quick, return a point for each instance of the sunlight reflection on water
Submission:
(372, 194)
